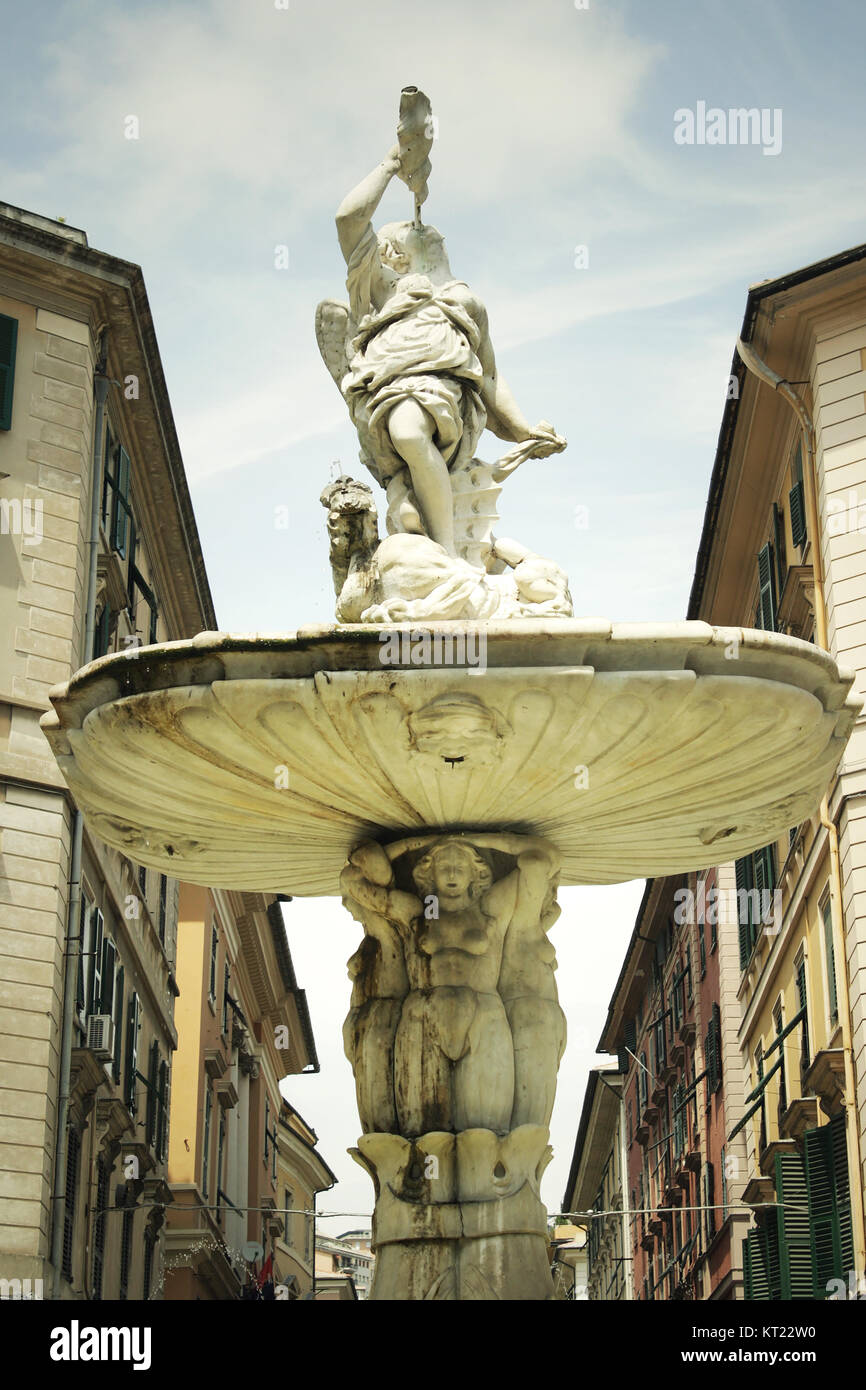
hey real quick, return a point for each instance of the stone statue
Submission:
(454, 1027)
(407, 578)
(412, 355)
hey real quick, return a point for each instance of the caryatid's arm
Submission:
(354, 215)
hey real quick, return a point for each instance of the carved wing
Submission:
(332, 335)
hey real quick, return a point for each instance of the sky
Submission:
(613, 259)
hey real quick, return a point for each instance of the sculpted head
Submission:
(411, 250)
(454, 871)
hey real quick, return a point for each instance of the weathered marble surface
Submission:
(262, 761)
(455, 1036)
(412, 355)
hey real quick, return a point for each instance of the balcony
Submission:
(687, 1032)
(767, 1162)
(759, 1190)
(800, 1115)
(215, 1063)
(642, 1133)
(659, 1091)
(826, 1079)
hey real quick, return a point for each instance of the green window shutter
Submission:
(744, 874)
(109, 962)
(779, 538)
(132, 1021)
(805, 1054)
(843, 1191)
(797, 505)
(795, 1236)
(755, 1266)
(8, 344)
(120, 513)
(152, 1081)
(101, 635)
(80, 999)
(702, 949)
(716, 1030)
(162, 1120)
(118, 1025)
(96, 944)
(830, 956)
(767, 588)
(829, 1203)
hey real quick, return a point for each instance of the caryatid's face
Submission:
(453, 872)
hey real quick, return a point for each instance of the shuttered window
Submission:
(117, 1015)
(8, 346)
(152, 1083)
(162, 1113)
(795, 1242)
(99, 1225)
(830, 958)
(779, 541)
(120, 512)
(805, 1054)
(126, 1234)
(133, 1022)
(73, 1154)
(709, 1201)
(766, 589)
(796, 500)
(208, 1104)
(826, 1178)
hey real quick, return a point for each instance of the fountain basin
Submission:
(259, 761)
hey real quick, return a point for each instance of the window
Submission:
(162, 1112)
(133, 1023)
(115, 497)
(163, 906)
(226, 983)
(756, 880)
(830, 960)
(689, 989)
(642, 1081)
(73, 1153)
(723, 1163)
(117, 1016)
(102, 633)
(214, 942)
(152, 1094)
(802, 1004)
(779, 1024)
(766, 589)
(126, 1233)
(702, 949)
(221, 1139)
(796, 501)
(99, 1225)
(8, 343)
(713, 1052)
(208, 1106)
(289, 1202)
(780, 548)
(142, 882)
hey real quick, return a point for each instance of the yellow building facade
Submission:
(784, 549)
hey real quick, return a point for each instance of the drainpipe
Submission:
(73, 918)
(810, 477)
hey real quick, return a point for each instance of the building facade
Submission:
(243, 1025)
(784, 549)
(594, 1195)
(679, 1067)
(98, 552)
(302, 1174)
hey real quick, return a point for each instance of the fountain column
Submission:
(455, 1037)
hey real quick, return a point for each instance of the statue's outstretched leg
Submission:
(411, 430)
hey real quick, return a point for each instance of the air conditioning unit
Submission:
(100, 1035)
